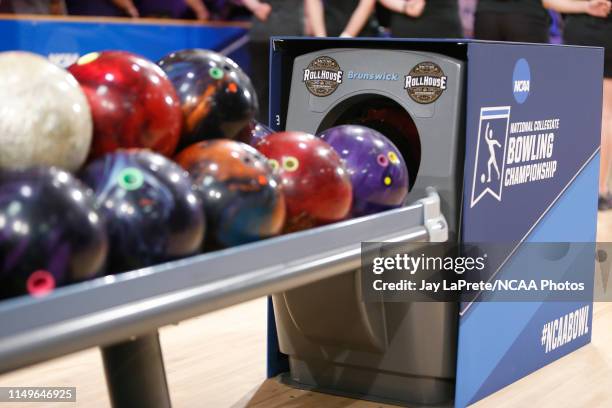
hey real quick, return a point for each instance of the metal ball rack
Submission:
(121, 314)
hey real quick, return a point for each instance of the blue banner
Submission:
(531, 173)
(63, 41)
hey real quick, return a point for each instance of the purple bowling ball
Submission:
(254, 132)
(377, 169)
(151, 209)
(50, 232)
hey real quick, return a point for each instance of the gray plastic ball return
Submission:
(399, 352)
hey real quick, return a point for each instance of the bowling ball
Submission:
(132, 102)
(377, 169)
(242, 198)
(217, 97)
(317, 187)
(151, 211)
(50, 232)
(44, 116)
(253, 132)
(394, 122)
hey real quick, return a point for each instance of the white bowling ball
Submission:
(44, 115)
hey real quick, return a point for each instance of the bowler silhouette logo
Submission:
(490, 162)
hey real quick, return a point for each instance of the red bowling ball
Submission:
(317, 187)
(133, 103)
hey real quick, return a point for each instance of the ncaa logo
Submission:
(489, 163)
(521, 80)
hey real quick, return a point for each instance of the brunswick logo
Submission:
(323, 76)
(489, 162)
(425, 83)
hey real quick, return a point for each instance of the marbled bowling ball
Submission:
(254, 132)
(242, 198)
(317, 187)
(44, 116)
(378, 172)
(50, 232)
(133, 103)
(217, 97)
(151, 210)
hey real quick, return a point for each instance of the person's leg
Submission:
(606, 137)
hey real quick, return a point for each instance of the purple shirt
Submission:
(155, 8)
(162, 8)
(148, 8)
(93, 8)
